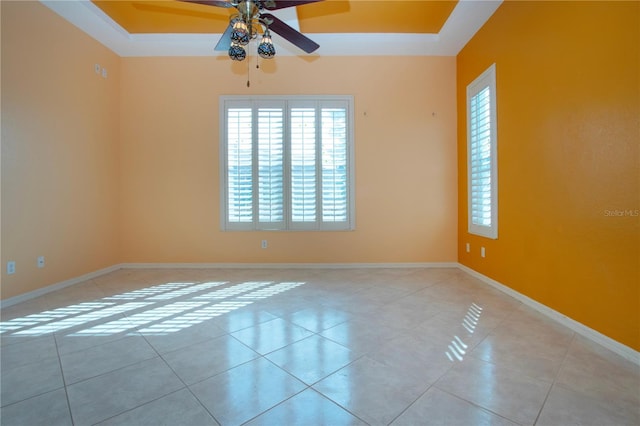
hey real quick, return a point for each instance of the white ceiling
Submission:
(465, 20)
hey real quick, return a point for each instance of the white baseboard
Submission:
(613, 345)
(287, 265)
(48, 289)
(591, 334)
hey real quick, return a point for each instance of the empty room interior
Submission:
(408, 213)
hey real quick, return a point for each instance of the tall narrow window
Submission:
(482, 158)
(286, 163)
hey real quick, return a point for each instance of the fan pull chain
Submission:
(249, 69)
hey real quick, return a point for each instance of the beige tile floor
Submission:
(302, 347)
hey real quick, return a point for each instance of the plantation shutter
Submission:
(334, 164)
(482, 155)
(271, 167)
(303, 165)
(481, 158)
(286, 163)
(239, 165)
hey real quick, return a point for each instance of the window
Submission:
(286, 163)
(482, 155)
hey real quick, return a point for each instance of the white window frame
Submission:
(489, 230)
(230, 101)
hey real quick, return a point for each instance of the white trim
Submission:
(287, 104)
(591, 334)
(485, 80)
(57, 286)
(288, 265)
(466, 19)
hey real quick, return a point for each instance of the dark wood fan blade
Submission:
(281, 4)
(225, 40)
(285, 31)
(216, 3)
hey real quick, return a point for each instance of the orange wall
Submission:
(568, 149)
(406, 202)
(59, 150)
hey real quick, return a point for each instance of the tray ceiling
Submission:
(356, 27)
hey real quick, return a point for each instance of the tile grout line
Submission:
(490, 333)
(307, 386)
(139, 406)
(432, 385)
(64, 381)
(488, 410)
(555, 377)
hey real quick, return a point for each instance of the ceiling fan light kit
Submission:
(250, 20)
(237, 52)
(266, 49)
(240, 33)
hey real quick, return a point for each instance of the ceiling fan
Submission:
(251, 19)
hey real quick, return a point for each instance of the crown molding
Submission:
(465, 20)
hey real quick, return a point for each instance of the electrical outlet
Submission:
(97, 68)
(482, 252)
(468, 248)
(40, 261)
(11, 267)
(264, 244)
